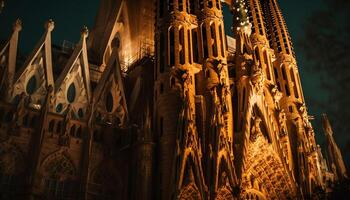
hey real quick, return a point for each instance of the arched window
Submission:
(205, 41)
(195, 47)
(189, 43)
(31, 85)
(72, 131)
(218, 4)
(171, 46)
(58, 176)
(182, 45)
(71, 93)
(214, 41)
(210, 3)
(59, 108)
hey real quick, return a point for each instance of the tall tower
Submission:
(215, 88)
(335, 157)
(285, 69)
(179, 155)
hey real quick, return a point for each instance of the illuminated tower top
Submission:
(240, 16)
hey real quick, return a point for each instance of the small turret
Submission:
(335, 159)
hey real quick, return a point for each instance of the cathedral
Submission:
(159, 101)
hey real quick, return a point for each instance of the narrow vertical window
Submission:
(161, 126)
(162, 53)
(210, 3)
(213, 37)
(195, 48)
(170, 5)
(161, 88)
(189, 43)
(221, 41)
(284, 74)
(161, 8)
(287, 89)
(182, 46)
(181, 5)
(296, 93)
(172, 47)
(266, 58)
(192, 6)
(218, 4)
(201, 4)
(205, 41)
(257, 53)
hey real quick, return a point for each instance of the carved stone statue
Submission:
(64, 138)
(256, 131)
(277, 95)
(21, 110)
(257, 80)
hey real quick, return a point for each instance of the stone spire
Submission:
(240, 16)
(336, 162)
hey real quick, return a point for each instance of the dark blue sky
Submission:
(70, 16)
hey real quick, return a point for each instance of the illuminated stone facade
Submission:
(157, 102)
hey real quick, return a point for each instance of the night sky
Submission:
(70, 16)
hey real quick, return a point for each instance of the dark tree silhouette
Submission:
(326, 47)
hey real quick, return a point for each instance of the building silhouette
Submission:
(157, 102)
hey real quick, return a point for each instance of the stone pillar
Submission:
(175, 63)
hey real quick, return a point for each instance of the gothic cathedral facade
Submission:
(158, 102)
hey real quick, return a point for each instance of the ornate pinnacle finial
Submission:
(326, 125)
(84, 32)
(50, 25)
(240, 16)
(17, 26)
(2, 5)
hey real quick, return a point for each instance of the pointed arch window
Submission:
(71, 93)
(58, 179)
(31, 85)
